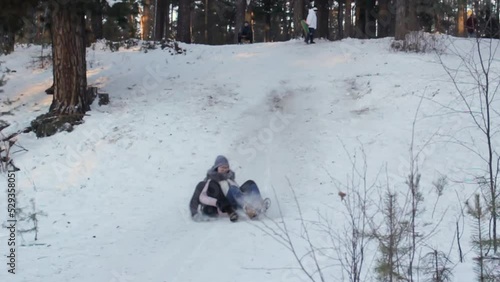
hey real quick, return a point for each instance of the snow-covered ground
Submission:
(116, 189)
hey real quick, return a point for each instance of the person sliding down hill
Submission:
(219, 193)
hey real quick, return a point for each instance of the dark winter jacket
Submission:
(215, 178)
(194, 204)
(246, 31)
(471, 24)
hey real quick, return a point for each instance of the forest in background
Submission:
(216, 22)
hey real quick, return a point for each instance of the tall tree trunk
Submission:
(360, 18)
(392, 11)
(282, 24)
(31, 26)
(274, 28)
(497, 6)
(307, 6)
(461, 17)
(268, 21)
(7, 41)
(169, 21)
(160, 10)
(132, 26)
(400, 20)
(240, 17)
(146, 20)
(348, 19)
(412, 15)
(298, 15)
(322, 30)
(340, 20)
(96, 19)
(286, 21)
(437, 27)
(206, 14)
(222, 34)
(184, 21)
(70, 78)
(192, 19)
(370, 21)
(427, 15)
(213, 35)
(384, 18)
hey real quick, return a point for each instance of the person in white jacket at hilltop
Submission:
(311, 21)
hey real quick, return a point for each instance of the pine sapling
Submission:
(436, 267)
(389, 265)
(478, 215)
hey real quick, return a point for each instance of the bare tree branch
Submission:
(318, 268)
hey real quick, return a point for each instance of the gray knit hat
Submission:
(220, 161)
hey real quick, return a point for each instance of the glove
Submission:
(223, 206)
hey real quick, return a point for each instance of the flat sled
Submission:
(305, 26)
(252, 210)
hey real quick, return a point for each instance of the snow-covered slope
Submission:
(116, 189)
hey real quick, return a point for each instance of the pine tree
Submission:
(390, 239)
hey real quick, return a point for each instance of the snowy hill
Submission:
(116, 189)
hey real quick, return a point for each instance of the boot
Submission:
(250, 211)
(233, 216)
(254, 211)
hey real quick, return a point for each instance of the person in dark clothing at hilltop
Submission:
(245, 33)
(471, 25)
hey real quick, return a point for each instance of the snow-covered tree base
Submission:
(50, 123)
